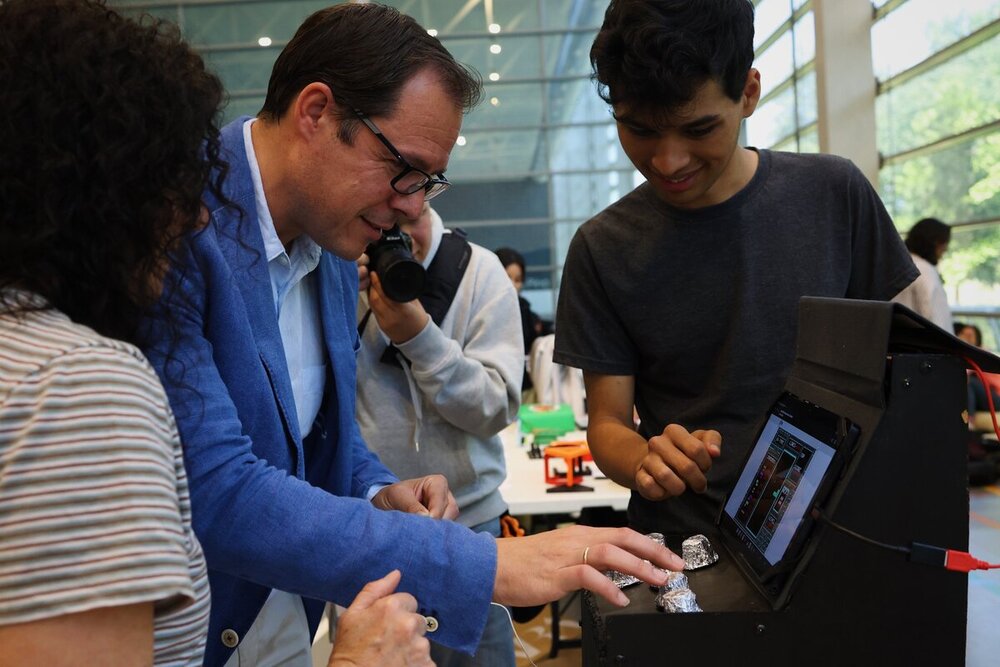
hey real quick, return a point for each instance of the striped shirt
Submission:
(94, 505)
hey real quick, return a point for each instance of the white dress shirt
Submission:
(280, 633)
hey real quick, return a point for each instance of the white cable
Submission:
(516, 636)
(414, 398)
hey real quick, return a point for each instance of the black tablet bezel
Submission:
(772, 580)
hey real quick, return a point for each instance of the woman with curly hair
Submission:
(107, 140)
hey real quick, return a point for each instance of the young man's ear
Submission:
(751, 92)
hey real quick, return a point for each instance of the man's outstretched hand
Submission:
(540, 568)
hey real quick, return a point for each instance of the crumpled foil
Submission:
(680, 600)
(622, 580)
(675, 581)
(698, 552)
(658, 538)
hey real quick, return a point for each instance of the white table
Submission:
(526, 492)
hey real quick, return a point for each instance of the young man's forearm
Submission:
(618, 450)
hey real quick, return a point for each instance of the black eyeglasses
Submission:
(411, 179)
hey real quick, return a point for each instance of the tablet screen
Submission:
(778, 484)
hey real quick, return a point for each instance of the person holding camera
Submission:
(696, 330)
(362, 110)
(435, 389)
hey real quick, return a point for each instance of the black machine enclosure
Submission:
(903, 381)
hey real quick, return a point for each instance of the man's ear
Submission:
(311, 108)
(751, 92)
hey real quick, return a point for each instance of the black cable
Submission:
(817, 514)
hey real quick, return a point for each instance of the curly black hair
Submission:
(107, 141)
(654, 55)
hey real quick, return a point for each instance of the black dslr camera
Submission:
(391, 257)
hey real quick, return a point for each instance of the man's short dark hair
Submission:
(365, 53)
(654, 55)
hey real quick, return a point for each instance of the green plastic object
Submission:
(546, 422)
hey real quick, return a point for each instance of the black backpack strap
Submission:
(443, 278)
(364, 322)
(445, 274)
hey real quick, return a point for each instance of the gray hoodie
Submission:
(442, 413)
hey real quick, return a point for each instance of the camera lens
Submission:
(401, 275)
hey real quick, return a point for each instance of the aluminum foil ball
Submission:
(681, 600)
(622, 580)
(675, 581)
(698, 552)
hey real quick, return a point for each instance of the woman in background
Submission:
(979, 406)
(532, 326)
(927, 242)
(106, 143)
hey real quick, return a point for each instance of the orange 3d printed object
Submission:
(573, 454)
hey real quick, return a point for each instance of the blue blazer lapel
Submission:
(242, 246)
(338, 290)
(334, 293)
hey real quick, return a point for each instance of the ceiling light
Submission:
(494, 76)
(432, 32)
(495, 101)
(460, 141)
(264, 41)
(495, 48)
(494, 28)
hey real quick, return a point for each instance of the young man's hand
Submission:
(677, 461)
(428, 496)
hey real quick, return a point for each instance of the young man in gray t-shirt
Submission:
(681, 299)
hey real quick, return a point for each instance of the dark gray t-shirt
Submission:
(701, 306)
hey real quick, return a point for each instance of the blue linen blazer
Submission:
(275, 508)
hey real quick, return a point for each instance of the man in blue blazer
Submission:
(261, 373)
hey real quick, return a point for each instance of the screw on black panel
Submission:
(760, 628)
(906, 382)
(926, 367)
(619, 661)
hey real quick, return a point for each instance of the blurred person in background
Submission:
(970, 333)
(532, 326)
(979, 406)
(927, 242)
